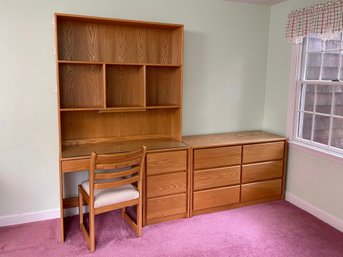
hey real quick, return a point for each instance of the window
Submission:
(318, 109)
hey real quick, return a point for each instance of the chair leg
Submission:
(80, 208)
(134, 223)
(91, 229)
(139, 219)
(86, 234)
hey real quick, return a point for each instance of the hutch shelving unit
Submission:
(118, 80)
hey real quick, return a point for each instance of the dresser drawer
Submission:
(204, 179)
(217, 157)
(167, 184)
(263, 152)
(261, 171)
(159, 163)
(260, 190)
(166, 206)
(216, 197)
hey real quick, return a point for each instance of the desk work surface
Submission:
(232, 138)
(85, 150)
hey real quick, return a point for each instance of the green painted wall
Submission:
(224, 80)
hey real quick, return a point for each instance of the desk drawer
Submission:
(166, 206)
(260, 190)
(166, 184)
(217, 157)
(261, 171)
(75, 165)
(263, 152)
(216, 197)
(204, 179)
(159, 163)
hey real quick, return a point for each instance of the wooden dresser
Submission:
(235, 169)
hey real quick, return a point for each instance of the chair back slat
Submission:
(121, 182)
(116, 174)
(119, 157)
(119, 165)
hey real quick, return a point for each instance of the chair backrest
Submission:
(128, 169)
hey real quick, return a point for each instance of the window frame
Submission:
(294, 98)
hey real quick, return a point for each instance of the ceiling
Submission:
(266, 2)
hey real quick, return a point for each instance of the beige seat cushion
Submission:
(108, 196)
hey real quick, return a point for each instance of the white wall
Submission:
(224, 81)
(314, 180)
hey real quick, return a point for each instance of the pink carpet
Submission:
(269, 230)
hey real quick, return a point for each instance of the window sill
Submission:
(316, 151)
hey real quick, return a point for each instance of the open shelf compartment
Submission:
(92, 126)
(117, 41)
(81, 86)
(125, 86)
(163, 86)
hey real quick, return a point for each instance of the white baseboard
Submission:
(36, 216)
(29, 217)
(315, 211)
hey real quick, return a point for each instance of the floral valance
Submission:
(323, 19)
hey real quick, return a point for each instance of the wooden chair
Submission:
(108, 190)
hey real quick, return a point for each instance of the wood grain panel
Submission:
(94, 125)
(124, 86)
(163, 86)
(178, 46)
(166, 206)
(167, 184)
(260, 190)
(73, 165)
(261, 171)
(81, 85)
(235, 205)
(166, 218)
(263, 152)
(159, 48)
(217, 157)
(117, 42)
(177, 124)
(71, 202)
(204, 179)
(71, 33)
(216, 197)
(126, 43)
(159, 163)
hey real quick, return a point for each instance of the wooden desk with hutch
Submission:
(120, 87)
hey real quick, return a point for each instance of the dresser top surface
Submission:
(231, 138)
